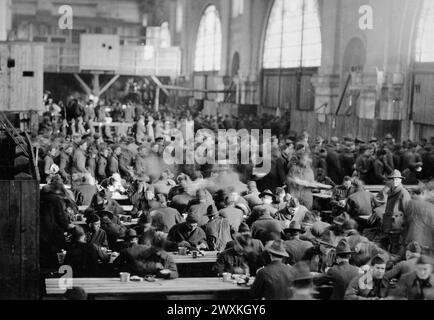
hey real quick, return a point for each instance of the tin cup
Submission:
(182, 251)
(194, 253)
(125, 276)
(61, 257)
(227, 277)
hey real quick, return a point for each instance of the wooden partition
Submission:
(19, 239)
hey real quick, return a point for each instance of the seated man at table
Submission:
(267, 198)
(242, 256)
(361, 203)
(234, 215)
(296, 247)
(96, 235)
(266, 228)
(188, 234)
(273, 282)
(143, 261)
(217, 230)
(340, 196)
(370, 286)
(83, 257)
(199, 206)
(145, 230)
(113, 231)
(130, 252)
(102, 201)
(164, 218)
(85, 189)
(342, 273)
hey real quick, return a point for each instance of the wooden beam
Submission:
(83, 84)
(194, 90)
(159, 84)
(95, 84)
(109, 84)
(341, 99)
(157, 99)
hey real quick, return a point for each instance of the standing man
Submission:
(397, 199)
(79, 158)
(65, 164)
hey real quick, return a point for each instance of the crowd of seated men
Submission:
(272, 228)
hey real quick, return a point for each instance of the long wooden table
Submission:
(125, 208)
(209, 257)
(371, 188)
(113, 287)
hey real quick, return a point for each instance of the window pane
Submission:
(209, 42)
(425, 34)
(293, 36)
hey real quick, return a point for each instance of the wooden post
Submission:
(95, 84)
(19, 240)
(157, 99)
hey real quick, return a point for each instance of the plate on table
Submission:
(136, 279)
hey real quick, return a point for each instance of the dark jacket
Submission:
(334, 169)
(218, 233)
(181, 234)
(164, 218)
(401, 268)
(79, 162)
(354, 292)
(297, 248)
(98, 238)
(83, 259)
(266, 229)
(273, 282)
(141, 260)
(361, 204)
(341, 276)
(101, 168)
(113, 165)
(65, 166)
(397, 199)
(410, 288)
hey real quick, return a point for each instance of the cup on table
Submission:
(182, 251)
(125, 276)
(194, 253)
(227, 277)
(61, 257)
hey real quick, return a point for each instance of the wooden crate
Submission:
(19, 240)
(21, 85)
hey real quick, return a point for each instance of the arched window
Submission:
(209, 42)
(425, 34)
(293, 36)
(237, 8)
(164, 35)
